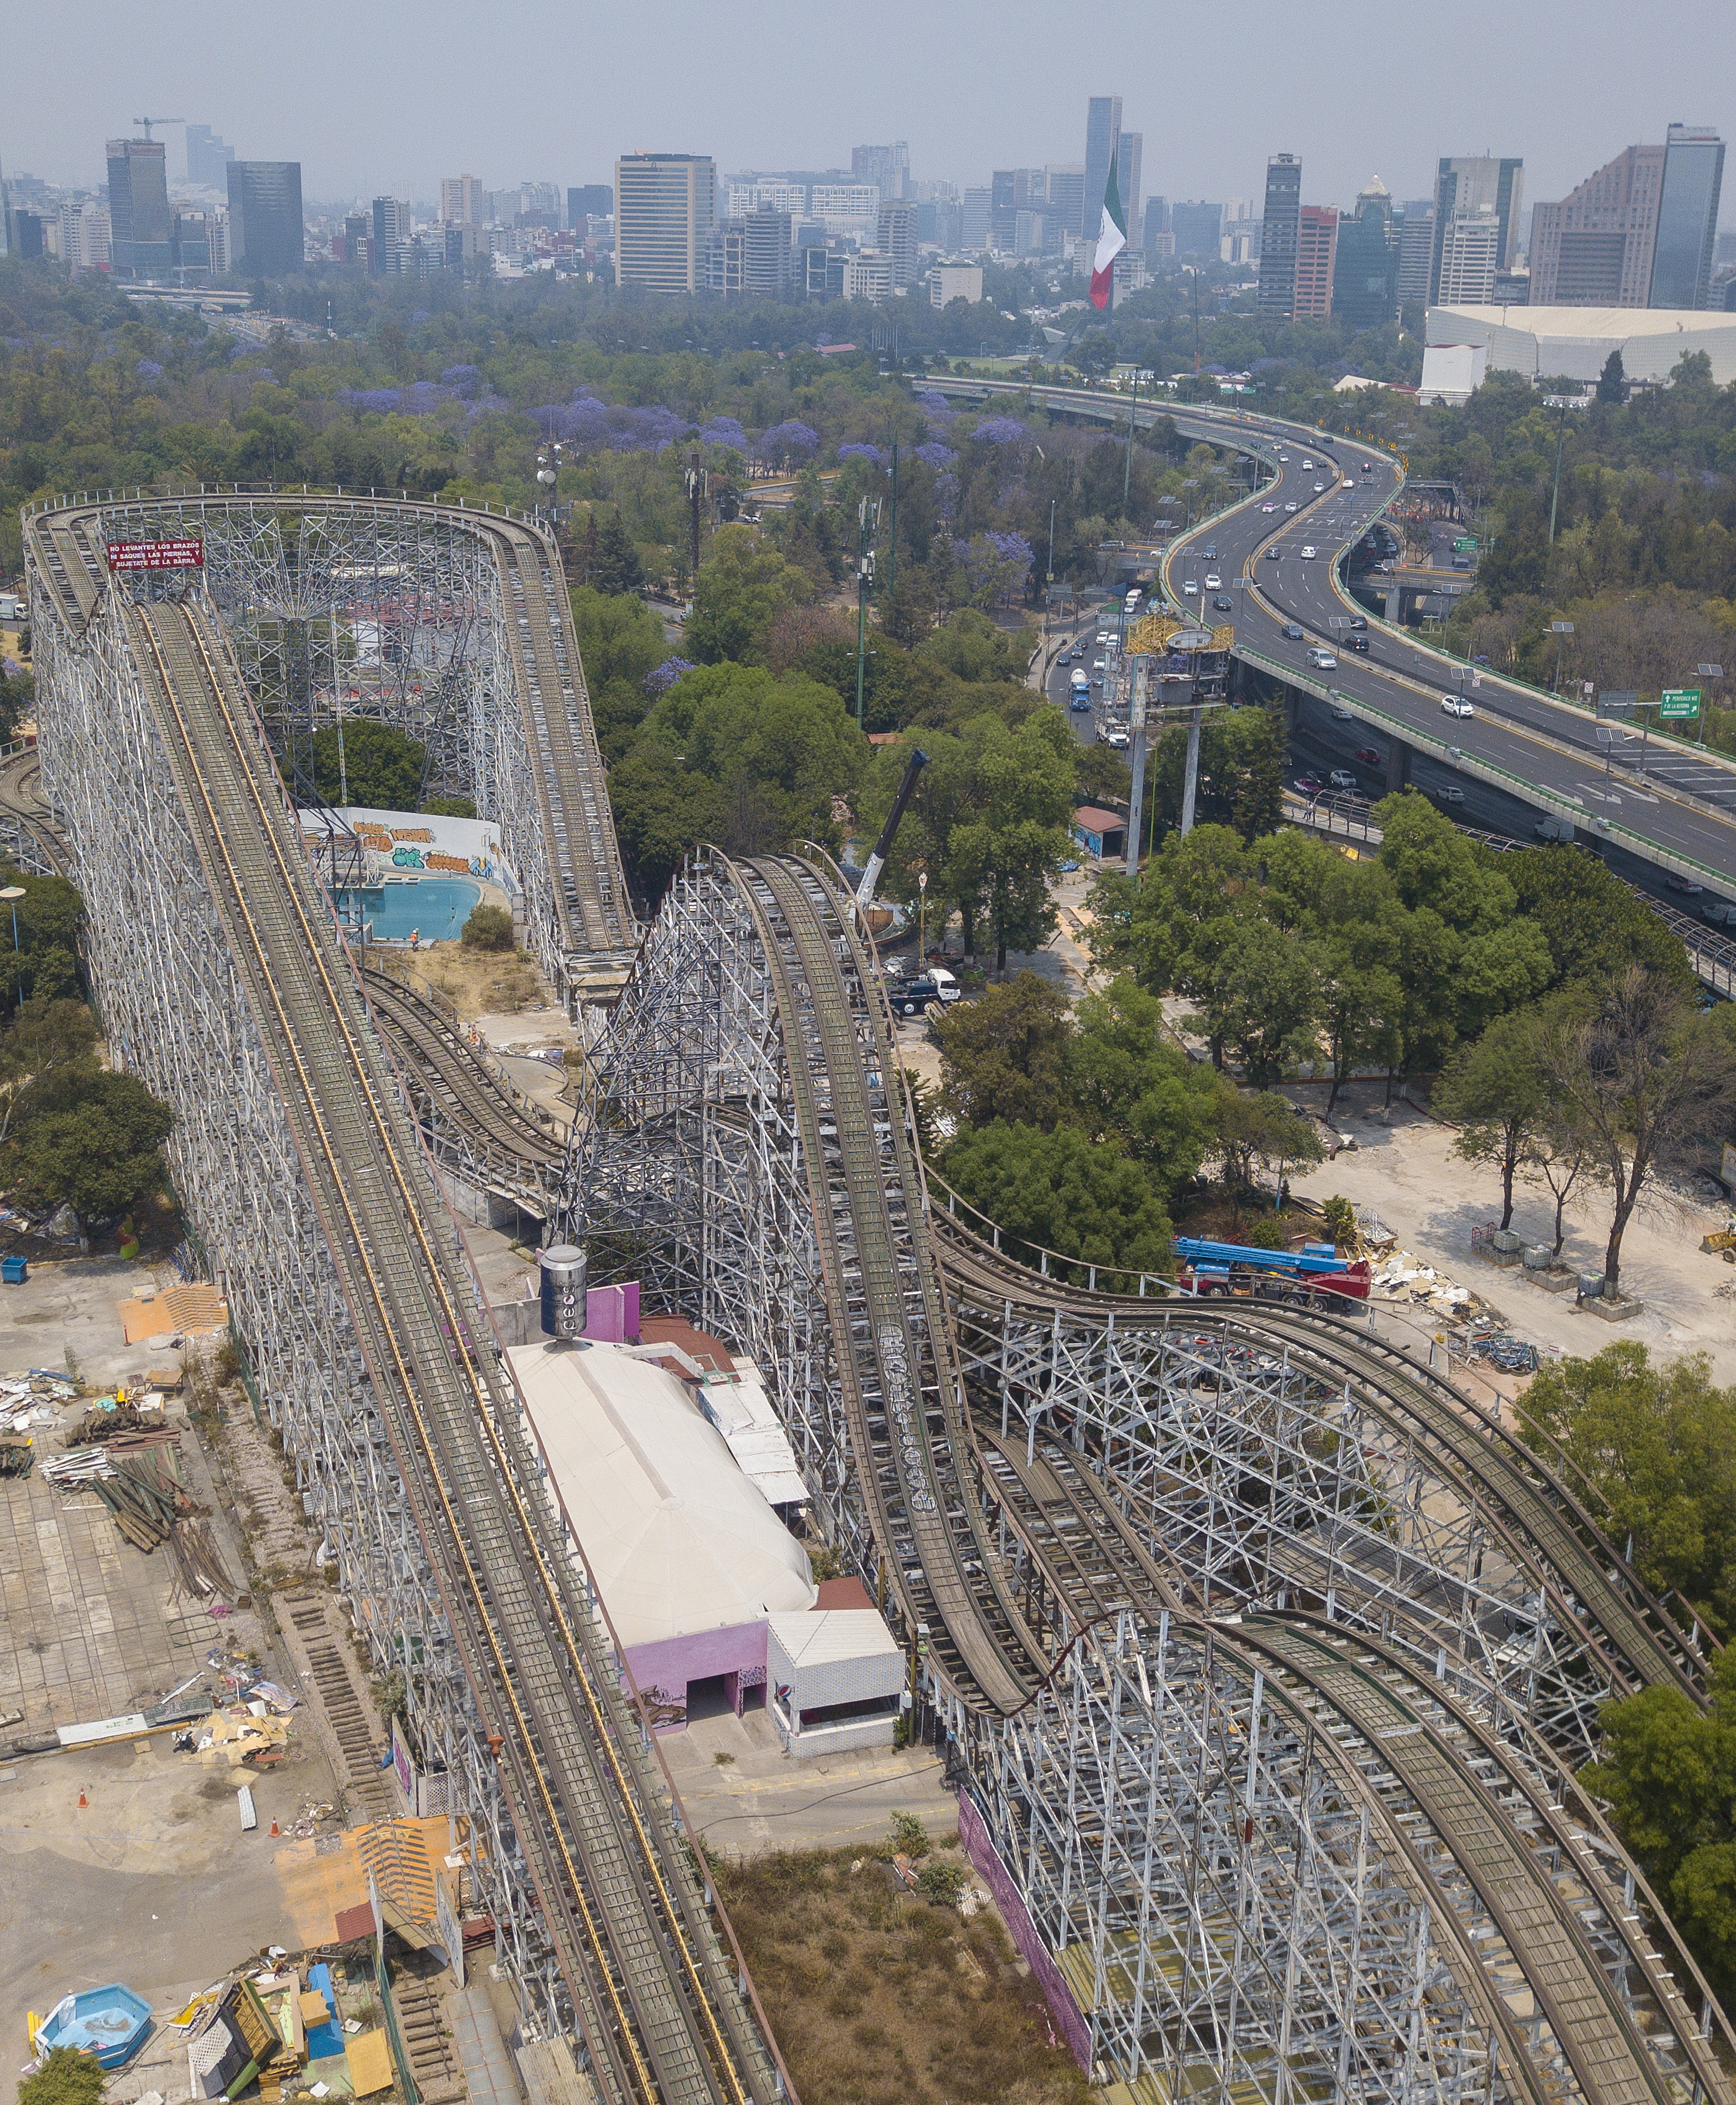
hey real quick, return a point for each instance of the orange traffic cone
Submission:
(83, 1799)
(274, 1827)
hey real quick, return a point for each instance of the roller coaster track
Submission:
(21, 805)
(660, 2014)
(1544, 1878)
(1544, 1524)
(902, 1394)
(598, 930)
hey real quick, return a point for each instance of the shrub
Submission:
(489, 928)
(941, 1883)
(1341, 1224)
(67, 2077)
(1266, 1235)
(909, 1836)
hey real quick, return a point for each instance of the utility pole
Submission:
(865, 513)
(1136, 794)
(1558, 402)
(892, 544)
(1190, 777)
(695, 491)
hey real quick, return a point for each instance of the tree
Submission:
(1129, 1082)
(1646, 1080)
(1594, 925)
(45, 966)
(621, 641)
(615, 567)
(489, 928)
(660, 811)
(92, 1143)
(1611, 382)
(1005, 1055)
(48, 1039)
(1658, 1444)
(1061, 1191)
(1358, 1007)
(1259, 1126)
(1494, 1092)
(1260, 1002)
(1003, 860)
(743, 584)
(382, 768)
(67, 2077)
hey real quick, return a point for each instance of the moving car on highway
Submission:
(1456, 705)
(1308, 552)
(1324, 660)
(1292, 630)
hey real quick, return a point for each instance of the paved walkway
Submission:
(488, 2073)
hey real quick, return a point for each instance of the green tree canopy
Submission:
(615, 566)
(1060, 1190)
(743, 585)
(1128, 1081)
(382, 765)
(91, 1140)
(1006, 1055)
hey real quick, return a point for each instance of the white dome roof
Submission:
(679, 1540)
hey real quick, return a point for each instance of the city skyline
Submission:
(593, 96)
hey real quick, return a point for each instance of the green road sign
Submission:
(1467, 546)
(1678, 701)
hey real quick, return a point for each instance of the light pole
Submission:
(1127, 473)
(1561, 404)
(921, 915)
(14, 892)
(867, 513)
(1562, 630)
(548, 474)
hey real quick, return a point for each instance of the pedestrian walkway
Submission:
(488, 2073)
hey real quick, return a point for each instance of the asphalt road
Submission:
(1540, 744)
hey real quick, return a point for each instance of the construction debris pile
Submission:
(297, 2034)
(27, 1399)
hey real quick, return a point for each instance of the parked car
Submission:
(1456, 705)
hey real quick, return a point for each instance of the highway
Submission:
(1520, 746)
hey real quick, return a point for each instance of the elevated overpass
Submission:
(1522, 743)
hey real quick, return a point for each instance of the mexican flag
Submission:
(1112, 239)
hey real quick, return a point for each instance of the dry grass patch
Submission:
(878, 1997)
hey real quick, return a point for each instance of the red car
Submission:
(1368, 757)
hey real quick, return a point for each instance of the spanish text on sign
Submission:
(156, 555)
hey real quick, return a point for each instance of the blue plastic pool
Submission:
(435, 907)
(110, 2023)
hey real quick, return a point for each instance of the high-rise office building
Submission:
(666, 205)
(265, 229)
(1316, 251)
(1154, 222)
(974, 215)
(1688, 217)
(1467, 254)
(83, 235)
(1280, 230)
(750, 256)
(1594, 247)
(1197, 227)
(1012, 191)
(1639, 233)
(1064, 194)
(139, 207)
(1468, 189)
(1415, 220)
(461, 200)
(1128, 149)
(895, 238)
(1365, 272)
(887, 168)
(207, 157)
(1102, 139)
(588, 201)
(391, 237)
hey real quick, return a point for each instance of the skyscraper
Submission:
(1280, 229)
(1468, 258)
(1365, 272)
(974, 216)
(139, 207)
(888, 167)
(1316, 252)
(895, 238)
(1470, 187)
(390, 238)
(1595, 246)
(1102, 137)
(1064, 192)
(266, 229)
(1128, 148)
(1198, 227)
(207, 157)
(666, 205)
(1415, 251)
(461, 200)
(588, 201)
(1687, 217)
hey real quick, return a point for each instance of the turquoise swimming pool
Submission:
(434, 908)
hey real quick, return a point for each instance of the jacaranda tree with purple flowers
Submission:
(995, 566)
(787, 445)
(661, 678)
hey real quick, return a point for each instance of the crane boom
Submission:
(876, 862)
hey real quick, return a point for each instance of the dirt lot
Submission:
(879, 1998)
(1406, 1169)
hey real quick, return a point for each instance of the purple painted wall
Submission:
(611, 1313)
(661, 1670)
(974, 1837)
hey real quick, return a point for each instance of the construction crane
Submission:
(876, 862)
(147, 121)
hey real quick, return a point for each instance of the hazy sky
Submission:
(382, 95)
